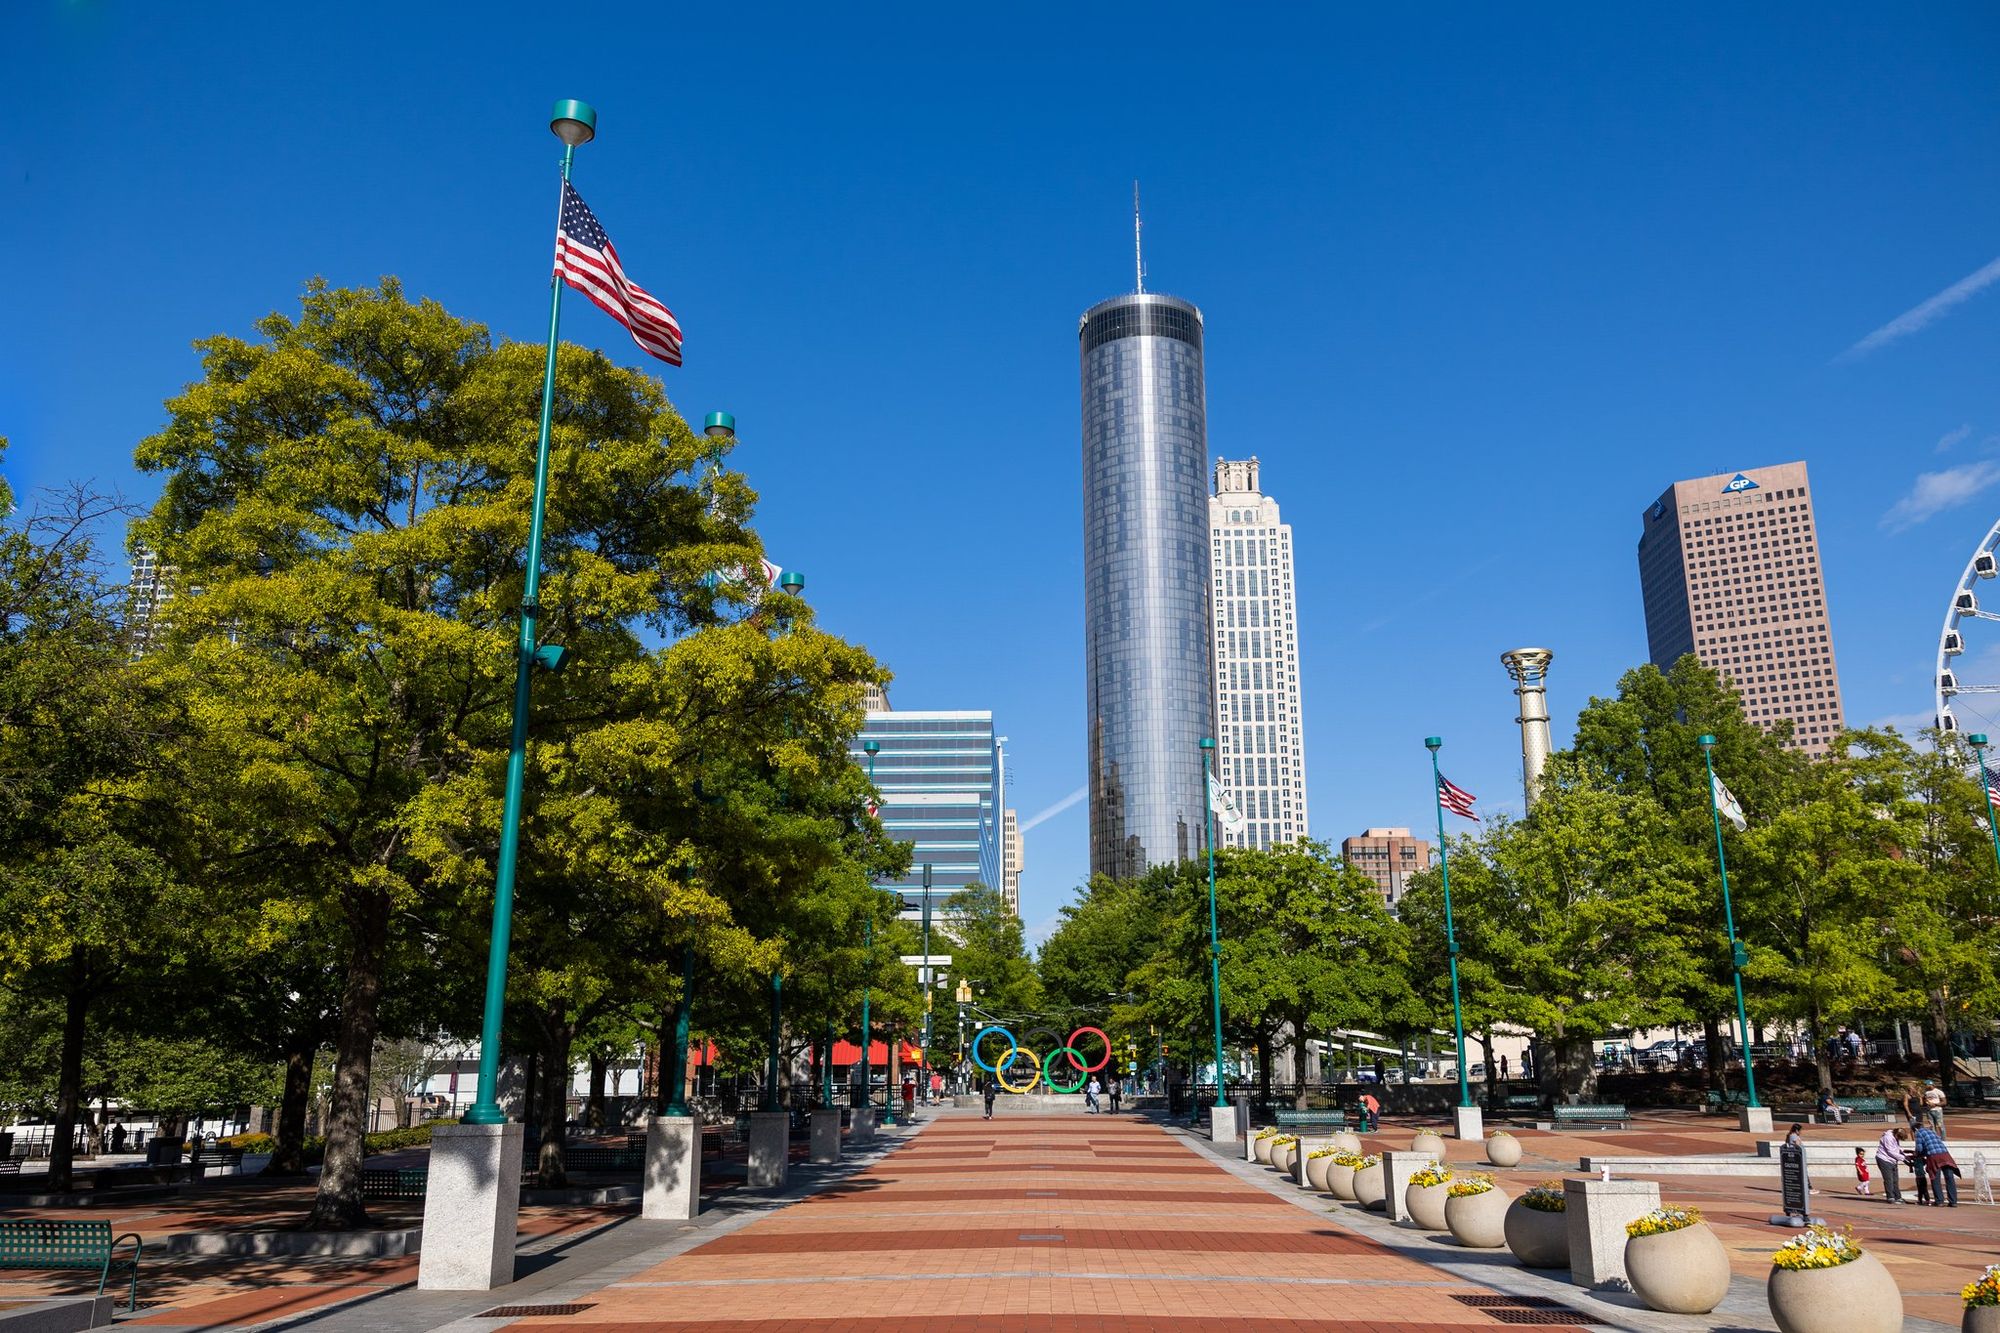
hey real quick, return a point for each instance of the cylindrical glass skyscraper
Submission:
(1145, 571)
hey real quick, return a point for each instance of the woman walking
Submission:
(1888, 1157)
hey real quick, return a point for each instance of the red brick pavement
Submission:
(1110, 1241)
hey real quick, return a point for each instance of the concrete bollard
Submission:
(826, 1135)
(472, 1206)
(1596, 1212)
(1397, 1168)
(1222, 1124)
(1468, 1122)
(673, 1169)
(861, 1129)
(770, 1149)
(1306, 1149)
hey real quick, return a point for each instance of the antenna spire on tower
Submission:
(1138, 257)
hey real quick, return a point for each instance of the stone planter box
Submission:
(1425, 1204)
(1980, 1319)
(1428, 1142)
(1479, 1221)
(1857, 1297)
(1678, 1272)
(1503, 1150)
(1537, 1239)
(1369, 1190)
(1261, 1150)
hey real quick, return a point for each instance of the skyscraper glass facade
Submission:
(939, 775)
(1150, 692)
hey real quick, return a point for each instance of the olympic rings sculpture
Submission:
(1041, 1069)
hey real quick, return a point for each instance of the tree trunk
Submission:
(1492, 1067)
(552, 1101)
(69, 1090)
(1716, 1044)
(1822, 1059)
(1566, 1070)
(599, 1067)
(288, 1155)
(1263, 1068)
(1938, 1025)
(339, 1205)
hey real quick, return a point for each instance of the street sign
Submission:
(932, 960)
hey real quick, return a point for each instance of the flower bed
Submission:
(1464, 1187)
(1662, 1220)
(1434, 1174)
(1817, 1247)
(1546, 1197)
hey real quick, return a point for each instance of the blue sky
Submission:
(1478, 286)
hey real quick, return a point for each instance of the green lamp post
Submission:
(1978, 742)
(871, 749)
(1433, 744)
(574, 123)
(1214, 939)
(1737, 957)
(924, 1056)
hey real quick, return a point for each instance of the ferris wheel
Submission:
(1963, 628)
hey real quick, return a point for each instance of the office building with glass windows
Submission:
(939, 775)
(1150, 694)
(1729, 567)
(1260, 745)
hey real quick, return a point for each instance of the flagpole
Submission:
(1432, 743)
(1736, 954)
(574, 123)
(1978, 742)
(1214, 944)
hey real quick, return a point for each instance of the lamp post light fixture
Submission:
(1214, 941)
(1737, 957)
(1978, 742)
(924, 1056)
(1433, 743)
(719, 426)
(792, 581)
(574, 123)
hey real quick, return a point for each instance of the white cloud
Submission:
(1935, 492)
(1919, 317)
(1952, 437)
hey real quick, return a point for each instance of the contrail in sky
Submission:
(1056, 809)
(1916, 318)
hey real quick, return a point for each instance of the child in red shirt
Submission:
(1860, 1172)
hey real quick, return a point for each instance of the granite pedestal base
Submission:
(673, 1169)
(1754, 1120)
(770, 1149)
(472, 1205)
(1597, 1211)
(1397, 1168)
(861, 1125)
(826, 1136)
(1222, 1125)
(1468, 1122)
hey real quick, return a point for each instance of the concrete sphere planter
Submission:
(1340, 1181)
(1282, 1158)
(1261, 1150)
(1980, 1319)
(1503, 1150)
(1428, 1142)
(1859, 1296)
(1537, 1239)
(1425, 1204)
(1369, 1191)
(1347, 1141)
(1678, 1272)
(1316, 1172)
(1479, 1221)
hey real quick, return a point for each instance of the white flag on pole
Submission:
(1226, 813)
(1731, 808)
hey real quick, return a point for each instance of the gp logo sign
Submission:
(1739, 482)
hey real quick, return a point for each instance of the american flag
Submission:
(1455, 799)
(587, 261)
(1992, 778)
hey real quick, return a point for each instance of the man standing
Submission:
(1090, 1094)
(991, 1091)
(1934, 1106)
(1117, 1090)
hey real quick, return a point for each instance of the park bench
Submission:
(1864, 1105)
(1521, 1101)
(1722, 1101)
(79, 1245)
(1286, 1118)
(582, 1158)
(217, 1155)
(1599, 1113)
(394, 1182)
(10, 1166)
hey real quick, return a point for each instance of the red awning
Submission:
(849, 1053)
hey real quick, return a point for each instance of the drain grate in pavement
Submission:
(1506, 1309)
(1041, 1194)
(1040, 1235)
(1487, 1301)
(531, 1311)
(1517, 1316)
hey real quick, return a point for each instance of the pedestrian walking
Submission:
(1934, 1105)
(1117, 1090)
(909, 1097)
(1889, 1156)
(1090, 1094)
(1912, 1104)
(1861, 1171)
(991, 1091)
(1503, 1066)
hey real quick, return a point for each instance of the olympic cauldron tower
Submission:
(1530, 669)
(1146, 571)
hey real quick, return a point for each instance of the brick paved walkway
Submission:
(1103, 1225)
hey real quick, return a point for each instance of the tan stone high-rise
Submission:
(1389, 856)
(1730, 569)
